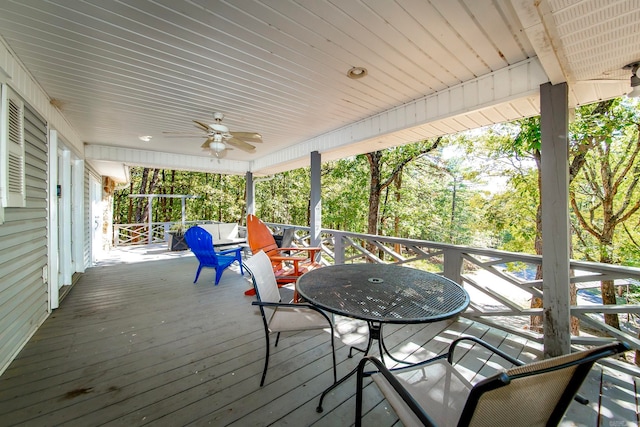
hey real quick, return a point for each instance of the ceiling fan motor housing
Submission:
(219, 128)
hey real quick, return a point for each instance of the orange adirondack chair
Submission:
(288, 263)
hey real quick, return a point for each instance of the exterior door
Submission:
(95, 190)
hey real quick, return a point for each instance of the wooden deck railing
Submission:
(500, 292)
(141, 234)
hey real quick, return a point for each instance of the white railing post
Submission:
(116, 235)
(150, 223)
(452, 268)
(338, 248)
(167, 227)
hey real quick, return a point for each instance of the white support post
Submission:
(338, 248)
(554, 124)
(150, 214)
(250, 196)
(315, 200)
(453, 265)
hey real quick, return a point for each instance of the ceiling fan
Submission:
(220, 139)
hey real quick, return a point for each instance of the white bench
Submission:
(223, 234)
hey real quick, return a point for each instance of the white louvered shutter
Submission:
(16, 196)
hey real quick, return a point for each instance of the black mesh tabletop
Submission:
(383, 293)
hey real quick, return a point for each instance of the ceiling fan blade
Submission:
(238, 143)
(247, 136)
(205, 146)
(201, 125)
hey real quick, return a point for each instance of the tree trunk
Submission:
(377, 184)
(172, 191)
(608, 290)
(140, 205)
(130, 208)
(374, 193)
(396, 219)
(164, 202)
(536, 321)
(452, 221)
(152, 188)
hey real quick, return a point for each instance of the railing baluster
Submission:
(338, 250)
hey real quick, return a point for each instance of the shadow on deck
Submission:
(139, 343)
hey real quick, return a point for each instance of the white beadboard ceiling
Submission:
(118, 70)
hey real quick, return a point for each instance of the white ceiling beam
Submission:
(96, 155)
(540, 27)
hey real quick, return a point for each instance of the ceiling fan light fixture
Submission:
(217, 146)
(635, 80)
(357, 72)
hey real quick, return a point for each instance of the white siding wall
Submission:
(23, 236)
(23, 253)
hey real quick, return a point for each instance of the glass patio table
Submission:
(379, 294)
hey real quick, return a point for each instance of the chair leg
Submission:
(266, 360)
(359, 385)
(277, 339)
(219, 272)
(198, 273)
(333, 353)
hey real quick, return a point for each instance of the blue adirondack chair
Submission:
(201, 244)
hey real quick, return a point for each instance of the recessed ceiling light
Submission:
(357, 72)
(145, 138)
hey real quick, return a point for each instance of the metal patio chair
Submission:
(434, 393)
(280, 317)
(201, 244)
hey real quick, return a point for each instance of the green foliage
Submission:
(511, 215)
(605, 195)
(218, 197)
(345, 184)
(284, 198)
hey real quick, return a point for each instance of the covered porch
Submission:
(138, 343)
(93, 83)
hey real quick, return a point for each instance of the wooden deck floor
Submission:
(140, 344)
